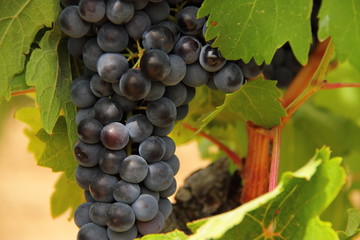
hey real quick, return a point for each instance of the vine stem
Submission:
(328, 86)
(232, 155)
(17, 93)
(275, 159)
(257, 164)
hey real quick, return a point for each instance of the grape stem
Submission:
(18, 93)
(275, 159)
(328, 86)
(231, 154)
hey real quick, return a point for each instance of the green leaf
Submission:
(58, 154)
(353, 222)
(257, 28)
(20, 20)
(256, 101)
(67, 195)
(43, 73)
(31, 116)
(175, 235)
(340, 19)
(291, 211)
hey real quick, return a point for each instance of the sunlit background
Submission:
(25, 188)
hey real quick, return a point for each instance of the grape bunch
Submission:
(142, 61)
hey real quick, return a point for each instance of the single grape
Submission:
(126, 192)
(188, 48)
(163, 131)
(109, 161)
(191, 91)
(71, 23)
(134, 84)
(92, 10)
(229, 78)
(122, 102)
(84, 176)
(155, 64)
(119, 11)
(152, 149)
(211, 59)
(86, 154)
(153, 226)
(81, 94)
(89, 130)
(139, 128)
(107, 112)
(174, 163)
(91, 231)
(251, 69)
(81, 214)
(170, 148)
(187, 21)
(112, 38)
(97, 213)
(140, 4)
(133, 169)
(121, 217)
(114, 136)
(102, 186)
(176, 93)
(145, 190)
(170, 190)
(172, 26)
(157, 11)
(158, 37)
(157, 90)
(182, 112)
(165, 207)
(127, 235)
(161, 113)
(159, 177)
(84, 113)
(99, 87)
(195, 76)
(111, 66)
(138, 25)
(177, 71)
(145, 207)
(91, 54)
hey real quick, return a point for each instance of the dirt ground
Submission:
(25, 189)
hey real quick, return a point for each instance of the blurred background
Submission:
(25, 188)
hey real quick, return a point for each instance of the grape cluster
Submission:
(142, 61)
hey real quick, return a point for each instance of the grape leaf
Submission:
(257, 28)
(42, 72)
(67, 195)
(289, 212)
(340, 19)
(256, 101)
(58, 154)
(20, 20)
(175, 235)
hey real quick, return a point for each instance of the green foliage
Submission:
(340, 19)
(50, 73)
(246, 28)
(19, 23)
(175, 235)
(256, 101)
(290, 211)
(58, 154)
(67, 195)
